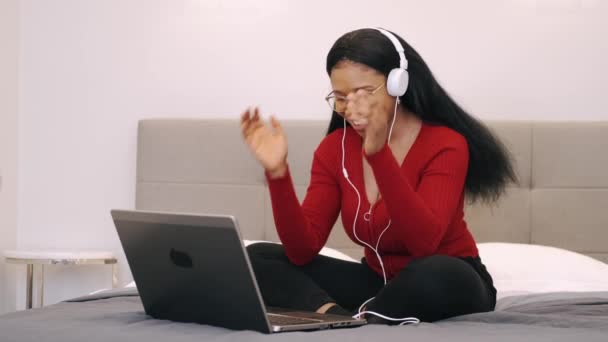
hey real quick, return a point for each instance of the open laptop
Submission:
(194, 268)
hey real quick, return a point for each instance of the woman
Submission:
(397, 162)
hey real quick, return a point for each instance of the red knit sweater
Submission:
(423, 198)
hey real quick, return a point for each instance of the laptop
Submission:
(194, 268)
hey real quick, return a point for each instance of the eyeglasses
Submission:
(337, 103)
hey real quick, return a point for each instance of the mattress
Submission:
(118, 315)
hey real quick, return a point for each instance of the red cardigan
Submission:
(423, 197)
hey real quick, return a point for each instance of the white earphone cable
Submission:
(358, 206)
(407, 320)
(404, 321)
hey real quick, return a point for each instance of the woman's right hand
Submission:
(267, 143)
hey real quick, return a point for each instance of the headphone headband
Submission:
(398, 78)
(398, 46)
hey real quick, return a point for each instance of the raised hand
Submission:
(268, 143)
(370, 117)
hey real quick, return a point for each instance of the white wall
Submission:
(90, 69)
(9, 53)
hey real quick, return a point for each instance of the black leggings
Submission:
(430, 288)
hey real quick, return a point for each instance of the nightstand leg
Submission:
(114, 276)
(29, 286)
(41, 287)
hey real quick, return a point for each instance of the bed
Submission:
(545, 242)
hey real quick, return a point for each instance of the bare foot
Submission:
(323, 309)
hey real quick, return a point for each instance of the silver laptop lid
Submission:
(191, 268)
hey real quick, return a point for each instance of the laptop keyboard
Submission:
(290, 320)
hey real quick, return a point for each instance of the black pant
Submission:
(430, 288)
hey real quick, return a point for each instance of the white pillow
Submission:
(520, 269)
(330, 252)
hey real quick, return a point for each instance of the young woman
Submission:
(397, 162)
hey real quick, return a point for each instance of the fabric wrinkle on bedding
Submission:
(118, 315)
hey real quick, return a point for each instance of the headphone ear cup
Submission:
(397, 82)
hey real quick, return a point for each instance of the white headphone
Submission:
(396, 85)
(398, 79)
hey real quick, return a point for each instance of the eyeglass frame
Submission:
(335, 97)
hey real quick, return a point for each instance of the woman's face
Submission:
(348, 77)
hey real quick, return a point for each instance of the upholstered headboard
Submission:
(203, 166)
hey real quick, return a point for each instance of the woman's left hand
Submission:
(364, 106)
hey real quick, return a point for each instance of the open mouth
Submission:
(359, 126)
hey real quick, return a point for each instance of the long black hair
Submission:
(490, 167)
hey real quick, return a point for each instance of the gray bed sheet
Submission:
(117, 315)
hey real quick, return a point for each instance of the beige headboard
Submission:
(203, 166)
